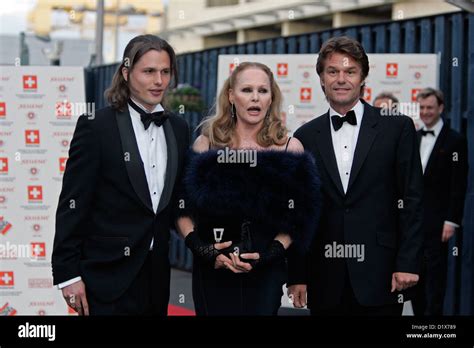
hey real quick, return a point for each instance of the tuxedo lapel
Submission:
(133, 161)
(171, 165)
(326, 149)
(367, 134)
(436, 149)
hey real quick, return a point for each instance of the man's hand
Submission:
(448, 231)
(75, 296)
(402, 281)
(297, 293)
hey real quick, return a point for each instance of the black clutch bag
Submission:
(244, 245)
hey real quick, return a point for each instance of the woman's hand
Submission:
(221, 259)
(237, 265)
(274, 253)
(206, 251)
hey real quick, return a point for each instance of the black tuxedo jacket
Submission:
(445, 181)
(381, 211)
(105, 220)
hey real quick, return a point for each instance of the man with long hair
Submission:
(118, 201)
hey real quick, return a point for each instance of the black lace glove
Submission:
(274, 252)
(201, 249)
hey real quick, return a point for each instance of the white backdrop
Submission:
(39, 107)
(303, 99)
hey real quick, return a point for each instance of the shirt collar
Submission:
(436, 128)
(358, 110)
(158, 107)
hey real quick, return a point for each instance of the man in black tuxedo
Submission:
(117, 202)
(443, 154)
(368, 244)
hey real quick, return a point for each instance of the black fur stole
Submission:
(279, 189)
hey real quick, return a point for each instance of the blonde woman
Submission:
(251, 193)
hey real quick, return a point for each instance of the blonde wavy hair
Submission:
(220, 128)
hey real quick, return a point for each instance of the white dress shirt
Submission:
(153, 152)
(344, 141)
(428, 142)
(426, 148)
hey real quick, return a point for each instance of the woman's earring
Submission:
(232, 110)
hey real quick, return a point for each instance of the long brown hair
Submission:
(118, 92)
(220, 128)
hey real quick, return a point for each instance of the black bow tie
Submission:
(158, 117)
(337, 121)
(425, 132)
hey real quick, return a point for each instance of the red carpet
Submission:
(179, 311)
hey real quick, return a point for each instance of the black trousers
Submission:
(429, 296)
(139, 299)
(350, 307)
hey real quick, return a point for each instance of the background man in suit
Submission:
(368, 244)
(444, 159)
(385, 100)
(116, 206)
